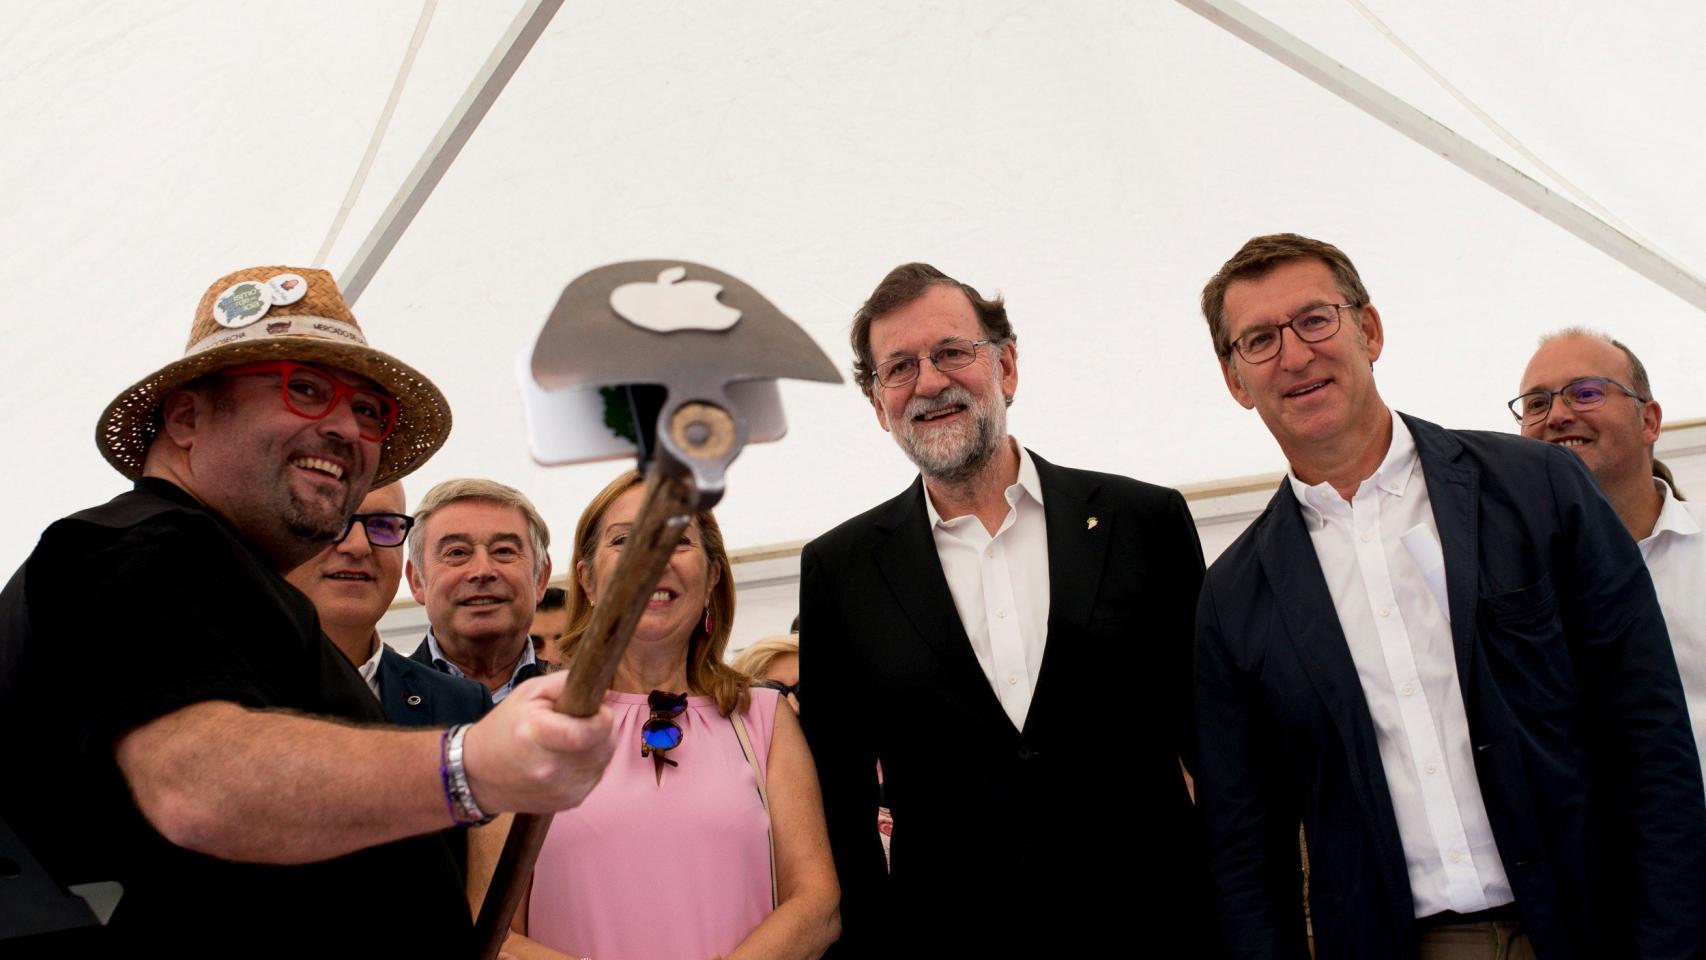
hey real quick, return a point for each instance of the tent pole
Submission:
(506, 57)
(1372, 99)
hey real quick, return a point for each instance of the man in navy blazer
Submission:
(1441, 653)
(352, 583)
(1011, 639)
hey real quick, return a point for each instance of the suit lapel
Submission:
(905, 554)
(1306, 606)
(1077, 554)
(1452, 485)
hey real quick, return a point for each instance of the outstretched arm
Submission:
(273, 787)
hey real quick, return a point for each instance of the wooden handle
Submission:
(665, 512)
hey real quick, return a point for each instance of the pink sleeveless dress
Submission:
(672, 871)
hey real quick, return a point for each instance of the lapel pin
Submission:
(414, 700)
(1090, 524)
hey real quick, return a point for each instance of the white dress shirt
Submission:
(1381, 556)
(1676, 557)
(370, 670)
(1000, 587)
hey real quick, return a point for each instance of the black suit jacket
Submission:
(1581, 739)
(1077, 829)
(417, 695)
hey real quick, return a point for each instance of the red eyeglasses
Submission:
(311, 393)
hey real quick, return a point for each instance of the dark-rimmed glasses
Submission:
(382, 529)
(950, 355)
(1318, 323)
(661, 733)
(785, 689)
(1587, 393)
(311, 394)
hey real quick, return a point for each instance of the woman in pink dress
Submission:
(705, 838)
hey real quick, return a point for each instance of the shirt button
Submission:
(1012, 678)
(1366, 536)
(1408, 690)
(990, 553)
(1454, 856)
(1385, 611)
(1001, 614)
(1431, 768)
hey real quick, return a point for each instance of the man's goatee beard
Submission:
(981, 452)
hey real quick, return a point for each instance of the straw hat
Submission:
(279, 313)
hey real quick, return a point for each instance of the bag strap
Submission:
(763, 795)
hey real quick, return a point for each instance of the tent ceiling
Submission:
(1095, 162)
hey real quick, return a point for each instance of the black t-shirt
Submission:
(134, 609)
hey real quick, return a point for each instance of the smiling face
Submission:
(678, 604)
(1614, 440)
(352, 582)
(477, 575)
(949, 424)
(274, 474)
(1312, 395)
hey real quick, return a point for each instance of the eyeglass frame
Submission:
(1553, 395)
(340, 391)
(1280, 329)
(367, 531)
(878, 372)
(785, 689)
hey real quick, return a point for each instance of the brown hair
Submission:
(707, 674)
(907, 283)
(1256, 259)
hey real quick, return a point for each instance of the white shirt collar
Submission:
(1674, 516)
(1028, 484)
(1392, 476)
(444, 663)
(370, 670)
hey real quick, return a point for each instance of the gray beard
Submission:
(952, 463)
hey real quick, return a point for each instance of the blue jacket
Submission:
(1582, 745)
(415, 695)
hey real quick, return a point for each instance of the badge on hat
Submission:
(243, 303)
(286, 288)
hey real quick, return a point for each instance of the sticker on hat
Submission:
(242, 304)
(286, 288)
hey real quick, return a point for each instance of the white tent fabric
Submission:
(1093, 161)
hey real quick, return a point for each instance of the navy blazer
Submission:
(1078, 829)
(416, 695)
(1582, 745)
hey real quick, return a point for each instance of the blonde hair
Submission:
(756, 659)
(707, 674)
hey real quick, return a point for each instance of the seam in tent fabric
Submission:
(379, 130)
(1498, 130)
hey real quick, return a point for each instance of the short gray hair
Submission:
(488, 491)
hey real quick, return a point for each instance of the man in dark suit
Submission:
(1011, 640)
(478, 564)
(352, 583)
(1440, 652)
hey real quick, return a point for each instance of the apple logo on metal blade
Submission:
(673, 304)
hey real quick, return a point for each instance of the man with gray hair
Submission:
(1589, 394)
(478, 564)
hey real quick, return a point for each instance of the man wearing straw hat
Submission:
(212, 757)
